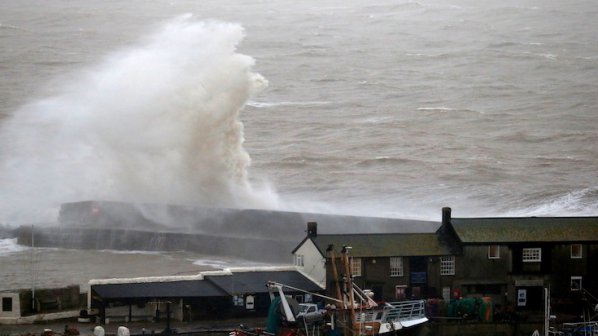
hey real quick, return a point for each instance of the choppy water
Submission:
(22, 267)
(392, 108)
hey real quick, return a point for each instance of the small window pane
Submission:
(493, 252)
(396, 266)
(299, 260)
(576, 251)
(532, 255)
(447, 265)
(356, 267)
(576, 283)
(7, 304)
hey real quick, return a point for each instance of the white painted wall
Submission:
(16, 305)
(314, 264)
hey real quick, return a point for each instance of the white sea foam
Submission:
(9, 246)
(157, 122)
(285, 103)
(580, 202)
(439, 108)
(227, 263)
(131, 252)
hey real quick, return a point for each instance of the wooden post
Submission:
(103, 312)
(345, 253)
(332, 256)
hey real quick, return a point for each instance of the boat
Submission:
(587, 327)
(352, 313)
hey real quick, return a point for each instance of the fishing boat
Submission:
(352, 313)
(587, 327)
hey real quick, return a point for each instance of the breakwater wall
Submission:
(252, 234)
(258, 249)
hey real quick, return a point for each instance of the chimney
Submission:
(312, 229)
(446, 216)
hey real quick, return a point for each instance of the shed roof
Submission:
(255, 282)
(189, 288)
(211, 284)
(526, 229)
(384, 245)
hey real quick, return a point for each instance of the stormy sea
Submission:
(385, 109)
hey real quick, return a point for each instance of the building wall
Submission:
(142, 311)
(47, 300)
(376, 277)
(592, 278)
(437, 282)
(314, 265)
(11, 302)
(478, 275)
(564, 267)
(475, 266)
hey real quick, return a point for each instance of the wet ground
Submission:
(208, 328)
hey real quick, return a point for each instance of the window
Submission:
(576, 251)
(6, 304)
(493, 252)
(531, 255)
(396, 266)
(447, 265)
(575, 283)
(299, 260)
(356, 267)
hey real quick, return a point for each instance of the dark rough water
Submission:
(392, 108)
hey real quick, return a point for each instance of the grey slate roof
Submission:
(210, 286)
(384, 245)
(255, 282)
(527, 229)
(188, 288)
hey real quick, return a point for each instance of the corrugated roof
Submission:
(255, 282)
(528, 229)
(191, 288)
(385, 245)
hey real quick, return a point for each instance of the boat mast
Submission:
(339, 294)
(345, 253)
(331, 254)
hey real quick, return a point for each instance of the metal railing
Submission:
(397, 311)
(406, 310)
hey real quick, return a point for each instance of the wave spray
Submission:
(157, 122)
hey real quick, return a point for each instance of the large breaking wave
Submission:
(156, 122)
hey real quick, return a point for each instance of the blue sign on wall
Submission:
(419, 277)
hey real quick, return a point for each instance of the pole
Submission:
(546, 311)
(32, 269)
(335, 274)
(345, 253)
(167, 318)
